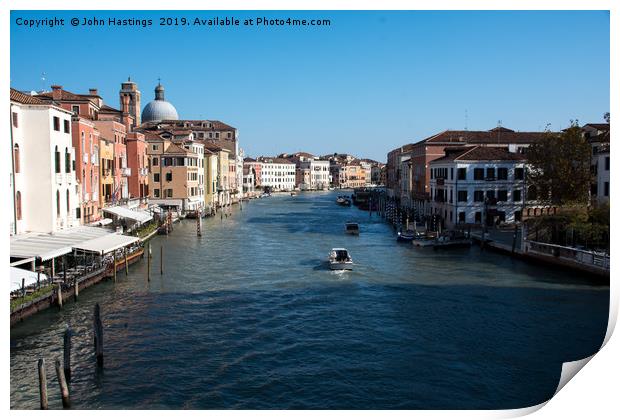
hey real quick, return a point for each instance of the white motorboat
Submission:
(424, 240)
(352, 228)
(340, 259)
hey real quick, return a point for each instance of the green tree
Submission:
(560, 167)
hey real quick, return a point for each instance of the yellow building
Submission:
(210, 177)
(224, 182)
(106, 176)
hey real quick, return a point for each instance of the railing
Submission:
(580, 256)
(144, 171)
(94, 159)
(126, 171)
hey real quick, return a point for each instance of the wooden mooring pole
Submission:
(114, 266)
(42, 384)
(59, 295)
(148, 263)
(126, 265)
(64, 389)
(67, 353)
(98, 333)
(161, 260)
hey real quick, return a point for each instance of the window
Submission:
(478, 174)
(156, 147)
(479, 196)
(16, 158)
(502, 195)
(169, 193)
(15, 120)
(67, 160)
(491, 194)
(156, 192)
(502, 173)
(67, 126)
(57, 203)
(169, 176)
(68, 202)
(462, 173)
(516, 195)
(75, 109)
(517, 215)
(18, 205)
(78, 213)
(490, 173)
(478, 217)
(519, 172)
(451, 173)
(606, 189)
(229, 135)
(155, 161)
(56, 124)
(606, 163)
(155, 177)
(462, 196)
(57, 160)
(461, 217)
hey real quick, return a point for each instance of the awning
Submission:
(101, 222)
(50, 245)
(29, 277)
(125, 213)
(106, 244)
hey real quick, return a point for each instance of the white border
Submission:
(592, 394)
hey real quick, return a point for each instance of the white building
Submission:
(319, 173)
(45, 190)
(478, 184)
(248, 180)
(598, 136)
(277, 173)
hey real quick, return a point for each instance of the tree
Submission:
(606, 117)
(560, 167)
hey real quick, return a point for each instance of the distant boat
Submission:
(424, 240)
(352, 228)
(407, 236)
(343, 201)
(293, 193)
(340, 259)
(452, 239)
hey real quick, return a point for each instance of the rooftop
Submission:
(479, 153)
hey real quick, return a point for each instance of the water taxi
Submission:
(352, 228)
(452, 239)
(340, 259)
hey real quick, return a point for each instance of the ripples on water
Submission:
(249, 316)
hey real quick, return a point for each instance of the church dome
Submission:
(159, 109)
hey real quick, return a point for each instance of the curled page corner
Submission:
(569, 370)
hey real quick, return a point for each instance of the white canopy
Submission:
(49, 245)
(29, 277)
(106, 244)
(125, 213)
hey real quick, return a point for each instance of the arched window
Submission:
(18, 205)
(67, 160)
(57, 160)
(16, 158)
(68, 202)
(57, 203)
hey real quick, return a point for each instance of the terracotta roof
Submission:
(498, 135)
(274, 160)
(599, 126)
(109, 109)
(478, 153)
(176, 148)
(24, 98)
(65, 95)
(249, 159)
(193, 124)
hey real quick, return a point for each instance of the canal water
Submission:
(249, 316)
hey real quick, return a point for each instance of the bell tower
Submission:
(130, 89)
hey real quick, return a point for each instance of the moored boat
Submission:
(340, 259)
(407, 236)
(452, 239)
(424, 240)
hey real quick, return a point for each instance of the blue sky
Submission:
(369, 82)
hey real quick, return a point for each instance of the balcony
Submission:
(125, 171)
(144, 171)
(85, 158)
(94, 160)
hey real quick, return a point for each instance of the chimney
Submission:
(93, 92)
(56, 92)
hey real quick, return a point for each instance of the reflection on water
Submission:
(250, 316)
